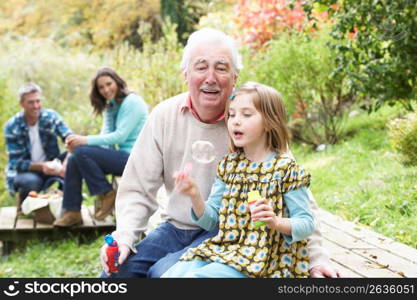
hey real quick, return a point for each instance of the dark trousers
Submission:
(33, 181)
(91, 163)
(160, 250)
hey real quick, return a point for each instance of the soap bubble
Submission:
(203, 151)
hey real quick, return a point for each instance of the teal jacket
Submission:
(122, 123)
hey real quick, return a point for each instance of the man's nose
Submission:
(211, 77)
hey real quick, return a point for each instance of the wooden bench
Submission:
(16, 228)
(360, 252)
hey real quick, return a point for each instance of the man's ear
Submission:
(185, 76)
(235, 76)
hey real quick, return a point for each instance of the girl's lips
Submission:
(237, 134)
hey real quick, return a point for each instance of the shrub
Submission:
(403, 137)
(300, 68)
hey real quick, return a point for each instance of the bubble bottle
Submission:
(112, 252)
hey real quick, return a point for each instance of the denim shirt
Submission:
(18, 144)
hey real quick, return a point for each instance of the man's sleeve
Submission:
(142, 177)
(318, 254)
(62, 130)
(15, 151)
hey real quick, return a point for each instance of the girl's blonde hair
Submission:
(269, 103)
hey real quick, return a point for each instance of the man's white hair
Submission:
(29, 88)
(215, 37)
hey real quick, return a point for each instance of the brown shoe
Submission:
(107, 204)
(70, 218)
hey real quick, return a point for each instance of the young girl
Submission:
(259, 161)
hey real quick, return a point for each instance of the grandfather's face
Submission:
(210, 78)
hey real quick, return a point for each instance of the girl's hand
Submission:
(185, 185)
(262, 211)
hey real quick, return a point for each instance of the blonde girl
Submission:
(258, 161)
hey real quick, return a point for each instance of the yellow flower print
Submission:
(286, 260)
(247, 251)
(252, 238)
(230, 236)
(256, 267)
(261, 254)
(302, 252)
(231, 222)
(242, 208)
(265, 178)
(268, 166)
(302, 268)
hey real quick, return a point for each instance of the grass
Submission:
(362, 180)
(359, 179)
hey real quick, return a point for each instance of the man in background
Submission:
(32, 143)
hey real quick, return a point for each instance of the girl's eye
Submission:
(247, 115)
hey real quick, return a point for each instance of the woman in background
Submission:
(95, 156)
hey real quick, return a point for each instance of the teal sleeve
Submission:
(129, 113)
(301, 217)
(210, 219)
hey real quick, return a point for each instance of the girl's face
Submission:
(246, 124)
(107, 87)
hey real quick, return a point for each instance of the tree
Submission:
(100, 23)
(376, 44)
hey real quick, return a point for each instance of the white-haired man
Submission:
(31, 141)
(211, 65)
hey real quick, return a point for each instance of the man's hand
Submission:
(321, 271)
(124, 252)
(47, 169)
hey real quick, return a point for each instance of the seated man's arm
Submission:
(320, 265)
(142, 177)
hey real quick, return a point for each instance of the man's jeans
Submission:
(161, 249)
(33, 181)
(92, 164)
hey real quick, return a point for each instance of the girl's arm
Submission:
(204, 213)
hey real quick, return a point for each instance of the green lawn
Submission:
(362, 180)
(359, 179)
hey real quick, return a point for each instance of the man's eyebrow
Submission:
(221, 61)
(200, 60)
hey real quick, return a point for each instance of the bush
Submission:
(403, 138)
(300, 68)
(8, 106)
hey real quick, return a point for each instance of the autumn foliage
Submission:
(262, 20)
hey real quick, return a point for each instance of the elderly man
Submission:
(211, 65)
(31, 141)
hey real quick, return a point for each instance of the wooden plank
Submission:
(346, 272)
(7, 217)
(39, 225)
(24, 223)
(394, 263)
(373, 238)
(356, 263)
(87, 220)
(342, 239)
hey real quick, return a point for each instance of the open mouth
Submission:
(210, 90)
(237, 134)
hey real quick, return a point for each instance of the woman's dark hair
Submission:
(97, 100)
